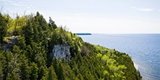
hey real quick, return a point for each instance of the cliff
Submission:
(61, 52)
(43, 51)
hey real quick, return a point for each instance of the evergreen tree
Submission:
(51, 74)
(25, 69)
(52, 23)
(11, 68)
(30, 57)
(3, 27)
(28, 32)
(1, 65)
(34, 71)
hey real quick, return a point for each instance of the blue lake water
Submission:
(143, 48)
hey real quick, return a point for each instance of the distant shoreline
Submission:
(83, 33)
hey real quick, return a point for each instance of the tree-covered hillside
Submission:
(29, 50)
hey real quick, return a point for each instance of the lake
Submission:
(144, 50)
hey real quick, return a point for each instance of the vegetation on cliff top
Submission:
(26, 43)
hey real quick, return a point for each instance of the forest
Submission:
(26, 53)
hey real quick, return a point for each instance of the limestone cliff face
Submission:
(61, 52)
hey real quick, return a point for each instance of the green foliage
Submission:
(51, 74)
(52, 23)
(3, 27)
(30, 57)
(34, 71)
(15, 25)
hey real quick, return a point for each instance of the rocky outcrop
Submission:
(61, 52)
(10, 42)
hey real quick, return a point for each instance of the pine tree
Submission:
(24, 68)
(52, 75)
(34, 71)
(3, 27)
(52, 23)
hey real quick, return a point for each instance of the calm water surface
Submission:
(143, 48)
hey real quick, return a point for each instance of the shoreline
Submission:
(135, 65)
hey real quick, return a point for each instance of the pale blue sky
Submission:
(95, 16)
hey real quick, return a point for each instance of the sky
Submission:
(93, 16)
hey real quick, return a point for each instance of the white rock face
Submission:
(61, 52)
